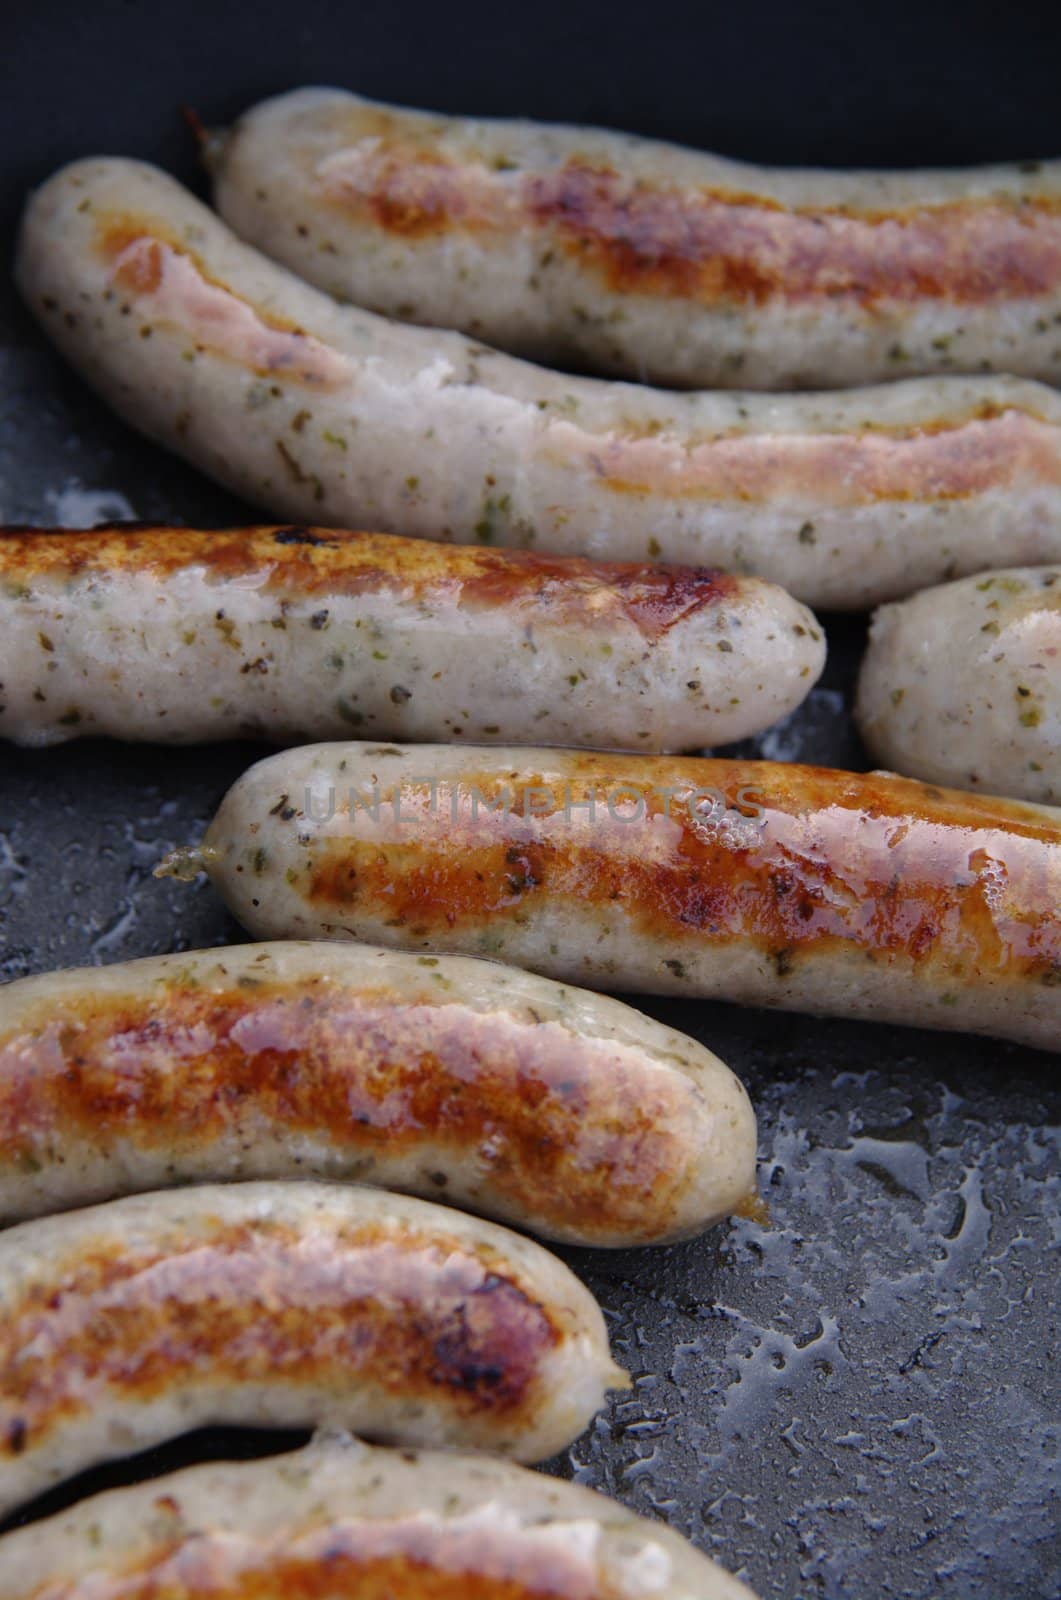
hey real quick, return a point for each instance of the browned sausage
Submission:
(858, 895)
(285, 1305)
(292, 633)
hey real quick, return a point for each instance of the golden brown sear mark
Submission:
(652, 596)
(719, 246)
(331, 1303)
(952, 460)
(713, 245)
(413, 191)
(167, 282)
(300, 561)
(580, 1131)
(416, 1557)
(952, 884)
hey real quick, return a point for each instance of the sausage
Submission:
(760, 882)
(289, 633)
(643, 260)
(327, 414)
(962, 684)
(548, 1107)
(285, 1305)
(340, 1519)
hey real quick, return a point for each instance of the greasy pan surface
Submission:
(857, 1398)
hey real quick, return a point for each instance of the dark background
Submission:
(860, 1399)
(767, 80)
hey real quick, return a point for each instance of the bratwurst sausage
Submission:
(288, 633)
(962, 684)
(285, 1305)
(327, 414)
(769, 884)
(549, 1107)
(644, 260)
(340, 1520)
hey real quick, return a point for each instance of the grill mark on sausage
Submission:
(950, 460)
(718, 246)
(653, 597)
(575, 1130)
(313, 562)
(956, 885)
(167, 282)
(418, 1556)
(264, 1301)
(709, 244)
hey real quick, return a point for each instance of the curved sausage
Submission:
(285, 1305)
(962, 684)
(555, 1109)
(644, 260)
(754, 881)
(327, 414)
(340, 1520)
(293, 633)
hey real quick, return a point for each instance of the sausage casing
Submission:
(326, 414)
(962, 684)
(295, 633)
(760, 882)
(644, 260)
(340, 1519)
(558, 1110)
(285, 1305)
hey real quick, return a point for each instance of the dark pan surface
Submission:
(860, 1398)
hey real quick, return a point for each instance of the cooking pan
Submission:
(856, 1397)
